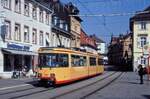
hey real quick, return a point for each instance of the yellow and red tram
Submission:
(61, 65)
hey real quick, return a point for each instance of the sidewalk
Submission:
(14, 82)
(125, 87)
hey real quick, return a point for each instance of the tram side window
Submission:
(92, 61)
(100, 61)
(77, 60)
(54, 60)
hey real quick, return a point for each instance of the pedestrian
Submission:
(24, 71)
(141, 73)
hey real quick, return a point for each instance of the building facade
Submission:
(61, 36)
(115, 49)
(120, 51)
(87, 43)
(101, 45)
(101, 48)
(75, 25)
(127, 51)
(140, 26)
(25, 26)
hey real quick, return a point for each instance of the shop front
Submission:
(17, 58)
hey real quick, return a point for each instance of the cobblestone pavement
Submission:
(126, 87)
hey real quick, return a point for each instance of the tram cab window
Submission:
(92, 61)
(77, 60)
(53, 60)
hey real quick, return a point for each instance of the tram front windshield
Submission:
(53, 60)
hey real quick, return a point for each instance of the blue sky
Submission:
(104, 27)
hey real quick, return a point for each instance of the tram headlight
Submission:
(39, 75)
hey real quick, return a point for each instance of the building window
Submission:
(75, 28)
(34, 12)
(26, 9)
(8, 30)
(53, 40)
(66, 27)
(47, 39)
(41, 15)
(6, 4)
(143, 25)
(68, 43)
(142, 41)
(18, 6)
(143, 61)
(17, 34)
(61, 24)
(41, 38)
(26, 34)
(34, 36)
(55, 21)
(47, 18)
(64, 41)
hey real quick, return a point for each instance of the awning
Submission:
(10, 51)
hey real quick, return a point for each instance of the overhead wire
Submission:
(85, 7)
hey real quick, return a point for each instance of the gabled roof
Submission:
(143, 16)
(97, 39)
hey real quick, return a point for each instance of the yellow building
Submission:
(75, 25)
(140, 26)
(75, 31)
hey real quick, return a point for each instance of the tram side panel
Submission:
(100, 67)
(92, 66)
(79, 72)
(79, 67)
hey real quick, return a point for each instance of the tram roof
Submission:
(70, 50)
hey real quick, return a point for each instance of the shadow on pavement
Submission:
(147, 96)
(116, 68)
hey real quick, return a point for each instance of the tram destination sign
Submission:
(18, 47)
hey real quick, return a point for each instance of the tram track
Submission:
(91, 93)
(11, 90)
(29, 91)
(37, 91)
(28, 94)
(90, 84)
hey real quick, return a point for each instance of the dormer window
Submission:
(143, 25)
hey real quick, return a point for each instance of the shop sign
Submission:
(18, 47)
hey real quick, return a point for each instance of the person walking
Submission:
(141, 73)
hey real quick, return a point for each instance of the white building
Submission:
(25, 26)
(61, 36)
(101, 45)
(140, 26)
